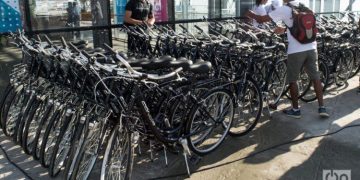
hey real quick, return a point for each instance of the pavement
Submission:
(267, 148)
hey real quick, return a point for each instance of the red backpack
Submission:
(304, 27)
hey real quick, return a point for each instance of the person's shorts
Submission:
(306, 59)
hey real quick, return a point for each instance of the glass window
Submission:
(71, 36)
(191, 9)
(117, 11)
(344, 4)
(228, 8)
(54, 14)
(356, 5)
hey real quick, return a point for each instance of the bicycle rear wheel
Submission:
(324, 77)
(277, 83)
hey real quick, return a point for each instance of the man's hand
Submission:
(279, 30)
(250, 14)
(150, 22)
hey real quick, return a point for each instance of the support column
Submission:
(242, 6)
(171, 12)
(214, 9)
(100, 17)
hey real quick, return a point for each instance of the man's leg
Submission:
(312, 69)
(294, 64)
(319, 92)
(294, 93)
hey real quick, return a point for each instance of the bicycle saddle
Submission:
(81, 42)
(200, 68)
(157, 63)
(181, 62)
(346, 34)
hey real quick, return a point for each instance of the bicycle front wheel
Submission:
(210, 121)
(118, 157)
(249, 108)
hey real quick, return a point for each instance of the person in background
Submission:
(77, 16)
(299, 55)
(259, 9)
(138, 12)
(70, 12)
(271, 7)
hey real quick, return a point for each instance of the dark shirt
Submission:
(140, 10)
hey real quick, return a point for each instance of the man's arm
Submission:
(130, 20)
(151, 17)
(258, 18)
(151, 20)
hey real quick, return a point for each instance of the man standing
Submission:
(136, 13)
(299, 55)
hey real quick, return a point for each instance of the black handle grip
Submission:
(182, 27)
(48, 40)
(87, 55)
(73, 47)
(108, 48)
(63, 42)
(198, 28)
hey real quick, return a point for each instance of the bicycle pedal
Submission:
(273, 106)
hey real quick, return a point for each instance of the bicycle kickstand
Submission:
(186, 151)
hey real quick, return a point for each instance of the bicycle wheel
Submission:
(12, 113)
(5, 101)
(81, 131)
(303, 85)
(356, 65)
(277, 82)
(210, 121)
(118, 157)
(35, 111)
(62, 145)
(50, 136)
(249, 108)
(4, 96)
(324, 76)
(89, 151)
(28, 103)
(344, 67)
(41, 128)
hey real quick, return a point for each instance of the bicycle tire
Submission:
(193, 143)
(325, 81)
(15, 98)
(76, 145)
(56, 116)
(49, 111)
(55, 165)
(24, 142)
(3, 99)
(275, 74)
(24, 114)
(83, 151)
(109, 154)
(259, 98)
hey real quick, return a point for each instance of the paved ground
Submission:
(299, 160)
